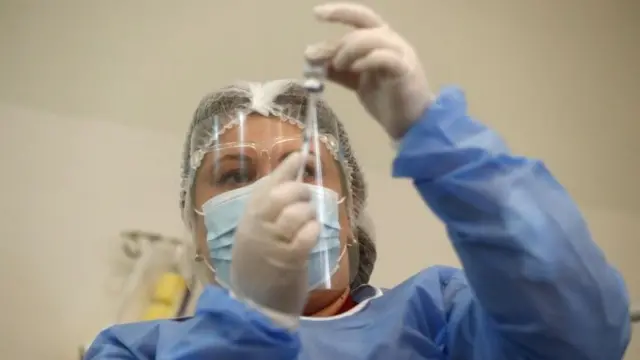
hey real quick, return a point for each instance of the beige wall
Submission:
(97, 95)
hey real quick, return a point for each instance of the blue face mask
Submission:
(222, 214)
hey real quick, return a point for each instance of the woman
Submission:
(534, 286)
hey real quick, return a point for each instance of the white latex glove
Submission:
(377, 63)
(272, 245)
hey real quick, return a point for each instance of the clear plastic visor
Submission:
(250, 148)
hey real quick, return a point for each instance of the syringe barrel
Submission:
(314, 76)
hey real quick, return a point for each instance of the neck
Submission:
(332, 308)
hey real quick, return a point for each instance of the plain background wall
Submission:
(95, 98)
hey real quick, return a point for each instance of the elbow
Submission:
(622, 330)
(599, 322)
(580, 324)
(591, 311)
(613, 322)
(577, 308)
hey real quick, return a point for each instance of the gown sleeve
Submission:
(540, 288)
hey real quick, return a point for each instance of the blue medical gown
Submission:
(535, 285)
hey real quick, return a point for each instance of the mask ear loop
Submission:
(354, 252)
(354, 258)
(203, 270)
(205, 273)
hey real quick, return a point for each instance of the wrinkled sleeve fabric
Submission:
(222, 328)
(540, 288)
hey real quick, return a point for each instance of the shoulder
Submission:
(439, 275)
(219, 319)
(137, 338)
(429, 298)
(442, 285)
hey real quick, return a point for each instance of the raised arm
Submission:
(540, 287)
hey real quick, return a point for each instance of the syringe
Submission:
(314, 75)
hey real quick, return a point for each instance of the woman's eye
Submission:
(233, 177)
(309, 172)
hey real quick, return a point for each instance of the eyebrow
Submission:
(285, 155)
(311, 152)
(240, 157)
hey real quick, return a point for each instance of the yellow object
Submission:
(169, 285)
(167, 297)
(159, 311)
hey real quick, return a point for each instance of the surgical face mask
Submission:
(222, 214)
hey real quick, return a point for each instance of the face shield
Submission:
(243, 149)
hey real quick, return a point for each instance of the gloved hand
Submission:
(377, 63)
(272, 245)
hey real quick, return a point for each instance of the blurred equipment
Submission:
(158, 285)
(153, 276)
(169, 297)
(635, 315)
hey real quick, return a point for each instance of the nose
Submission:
(265, 167)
